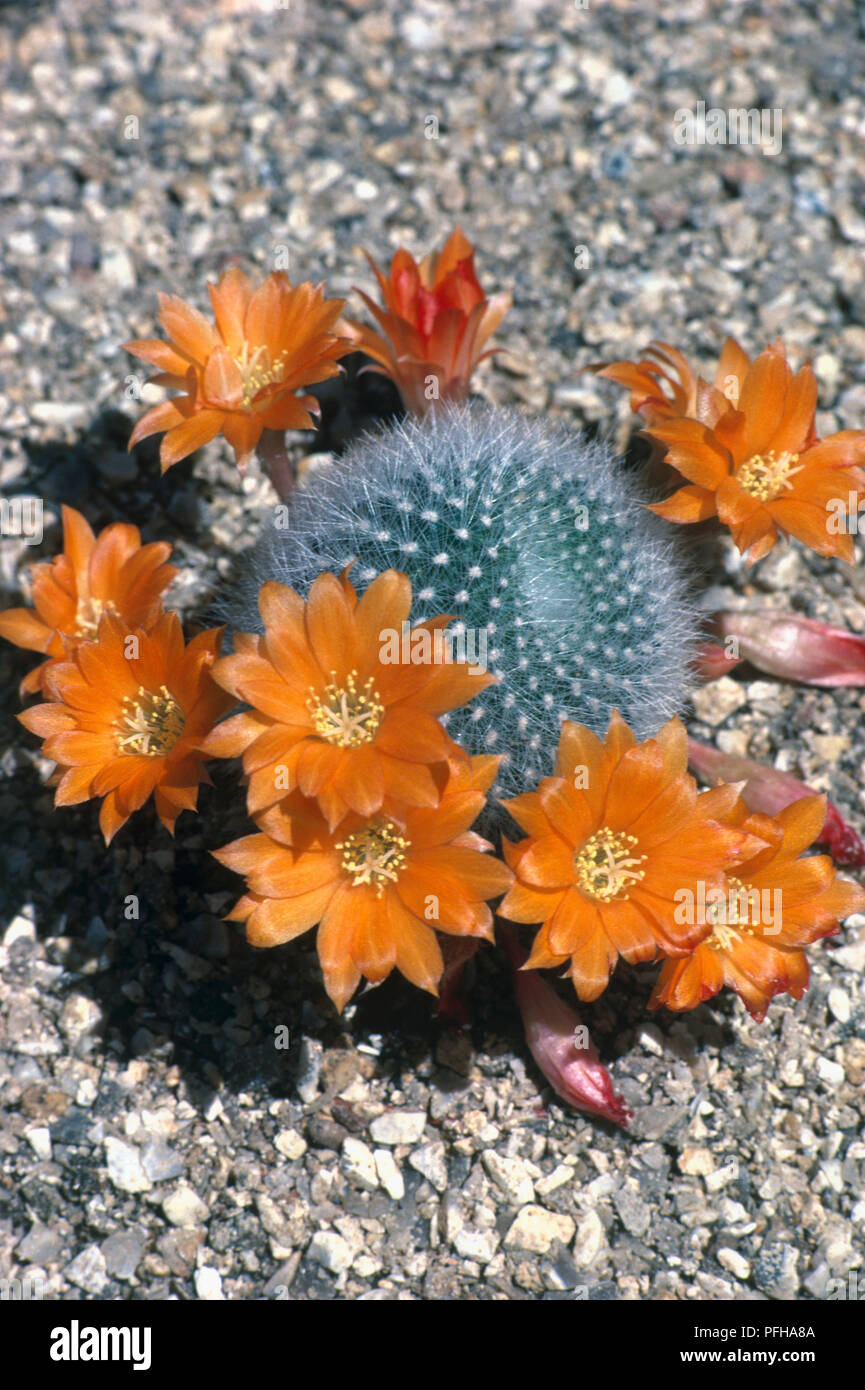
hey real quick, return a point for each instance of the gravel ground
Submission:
(157, 1141)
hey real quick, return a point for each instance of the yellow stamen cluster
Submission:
(726, 932)
(605, 867)
(88, 614)
(374, 856)
(258, 371)
(346, 715)
(765, 477)
(150, 724)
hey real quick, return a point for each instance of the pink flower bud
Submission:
(767, 790)
(798, 649)
(575, 1073)
(712, 660)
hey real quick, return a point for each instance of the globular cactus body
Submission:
(536, 540)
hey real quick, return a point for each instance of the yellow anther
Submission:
(605, 866)
(150, 724)
(765, 477)
(346, 715)
(374, 856)
(258, 371)
(88, 614)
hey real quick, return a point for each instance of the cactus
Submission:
(535, 539)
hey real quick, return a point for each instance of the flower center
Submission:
(605, 866)
(375, 855)
(87, 616)
(347, 714)
(258, 371)
(765, 477)
(150, 724)
(730, 918)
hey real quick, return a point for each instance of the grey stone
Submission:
(122, 1253)
(776, 1272)
(389, 1174)
(430, 1161)
(160, 1162)
(88, 1270)
(42, 1245)
(634, 1214)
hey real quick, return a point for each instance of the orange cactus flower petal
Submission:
(277, 920)
(187, 329)
(112, 573)
(165, 416)
(412, 783)
(418, 955)
(664, 387)
(21, 627)
(190, 434)
(124, 726)
(761, 400)
(230, 299)
(607, 855)
(751, 454)
(800, 404)
(377, 888)
(331, 624)
(732, 368)
(775, 903)
(689, 504)
(331, 717)
(240, 373)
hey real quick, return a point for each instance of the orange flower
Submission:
(131, 711)
(775, 904)
(331, 714)
(378, 888)
(435, 320)
(663, 386)
(756, 464)
(239, 376)
(612, 838)
(111, 573)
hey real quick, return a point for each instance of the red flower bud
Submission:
(575, 1073)
(713, 660)
(798, 649)
(767, 790)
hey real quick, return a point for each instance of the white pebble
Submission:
(398, 1127)
(358, 1164)
(330, 1250)
(389, 1174)
(208, 1283)
(839, 1005)
(734, 1263)
(39, 1140)
(830, 1072)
